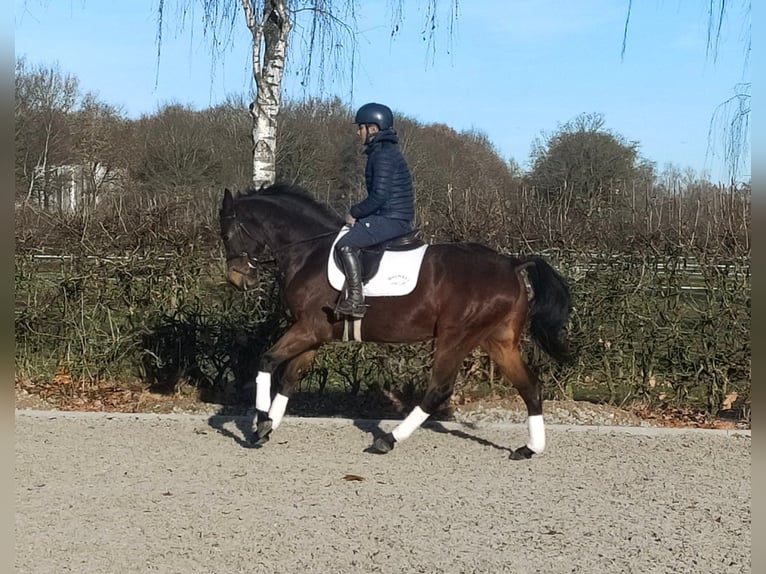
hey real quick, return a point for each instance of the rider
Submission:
(388, 209)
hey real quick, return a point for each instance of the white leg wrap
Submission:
(277, 410)
(416, 418)
(263, 391)
(536, 434)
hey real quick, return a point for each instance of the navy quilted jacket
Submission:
(388, 180)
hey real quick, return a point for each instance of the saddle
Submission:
(370, 257)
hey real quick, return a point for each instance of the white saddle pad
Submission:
(397, 274)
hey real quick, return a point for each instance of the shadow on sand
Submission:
(242, 422)
(367, 418)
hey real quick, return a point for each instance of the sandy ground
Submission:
(107, 493)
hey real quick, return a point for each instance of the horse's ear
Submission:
(227, 205)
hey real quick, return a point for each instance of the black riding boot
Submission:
(353, 305)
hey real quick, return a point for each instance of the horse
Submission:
(466, 295)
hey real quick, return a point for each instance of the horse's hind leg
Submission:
(507, 355)
(447, 361)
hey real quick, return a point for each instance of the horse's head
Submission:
(241, 245)
(283, 219)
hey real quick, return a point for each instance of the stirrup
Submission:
(347, 308)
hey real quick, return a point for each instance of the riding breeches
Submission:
(372, 230)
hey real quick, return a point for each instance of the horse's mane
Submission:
(298, 197)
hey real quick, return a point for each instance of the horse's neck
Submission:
(284, 233)
(287, 224)
(292, 234)
(293, 247)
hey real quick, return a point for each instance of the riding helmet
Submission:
(373, 113)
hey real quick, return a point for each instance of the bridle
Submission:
(253, 262)
(240, 229)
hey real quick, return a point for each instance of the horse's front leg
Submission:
(262, 423)
(268, 420)
(297, 347)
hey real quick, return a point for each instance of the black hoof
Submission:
(262, 432)
(522, 453)
(258, 442)
(383, 444)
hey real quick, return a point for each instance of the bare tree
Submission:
(731, 120)
(584, 161)
(270, 30)
(98, 132)
(176, 149)
(44, 100)
(327, 35)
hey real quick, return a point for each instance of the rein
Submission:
(252, 262)
(306, 240)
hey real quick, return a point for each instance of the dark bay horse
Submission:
(467, 295)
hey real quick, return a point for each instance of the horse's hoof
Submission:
(262, 432)
(258, 442)
(522, 453)
(383, 444)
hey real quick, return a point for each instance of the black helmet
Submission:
(375, 114)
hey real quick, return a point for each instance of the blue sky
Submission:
(513, 69)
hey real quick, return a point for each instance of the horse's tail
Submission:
(549, 306)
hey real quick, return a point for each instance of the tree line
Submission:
(587, 186)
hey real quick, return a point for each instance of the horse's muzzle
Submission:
(241, 281)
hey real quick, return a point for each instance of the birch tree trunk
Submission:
(329, 36)
(270, 34)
